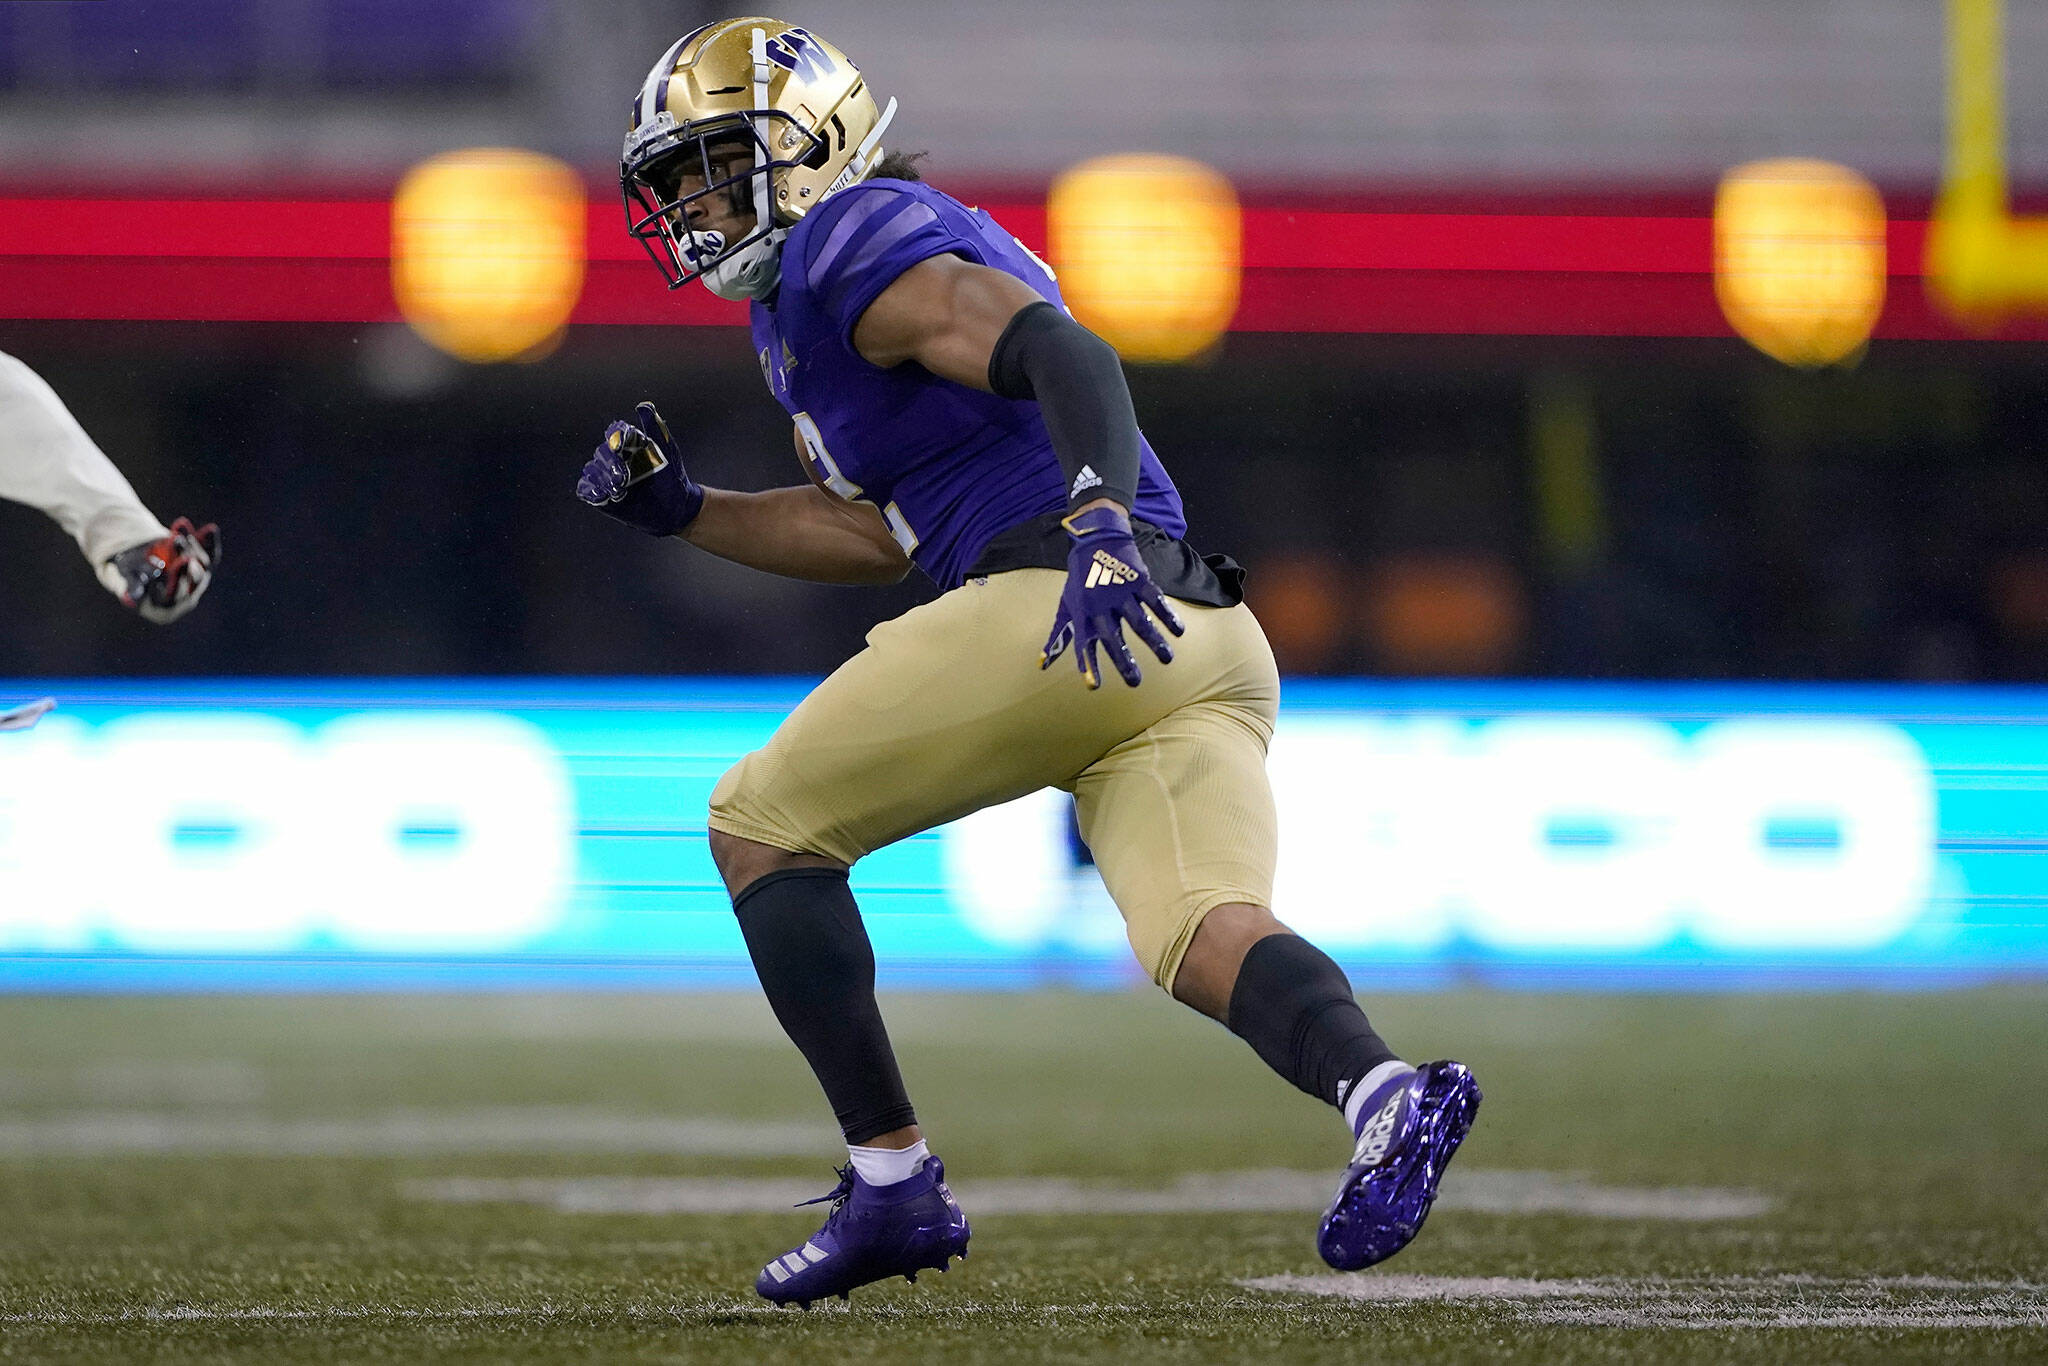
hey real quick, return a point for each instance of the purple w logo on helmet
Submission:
(798, 52)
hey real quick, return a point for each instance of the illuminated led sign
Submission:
(333, 833)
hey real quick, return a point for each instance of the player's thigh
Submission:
(946, 711)
(1180, 819)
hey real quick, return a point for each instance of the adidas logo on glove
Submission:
(1106, 568)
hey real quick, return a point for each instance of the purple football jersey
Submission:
(949, 466)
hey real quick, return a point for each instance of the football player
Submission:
(953, 417)
(47, 461)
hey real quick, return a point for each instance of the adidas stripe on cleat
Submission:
(872, 1234)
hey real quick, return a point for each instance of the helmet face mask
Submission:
(760, 112)
(719, 159)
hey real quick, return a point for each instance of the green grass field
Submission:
(513, 1178)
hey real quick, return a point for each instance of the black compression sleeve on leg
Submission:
(812, 955)
(1294, 1006)
(1082, 395)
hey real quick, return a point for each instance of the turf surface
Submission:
(1899, 1135)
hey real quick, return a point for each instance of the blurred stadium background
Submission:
(1477, 356)
(1634, 417)
(1434, 310)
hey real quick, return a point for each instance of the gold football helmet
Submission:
(761, 111)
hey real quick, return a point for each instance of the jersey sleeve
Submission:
(870, 235)
(48, 462)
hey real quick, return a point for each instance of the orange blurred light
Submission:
(1799, 258)
(1445, 614)
(487, 251)
(1149, 251)
(1298, 596)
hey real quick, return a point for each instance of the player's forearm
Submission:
(1082, 396)
(47, 461)
(800, 533)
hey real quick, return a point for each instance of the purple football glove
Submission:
(1107, 588)
(637, 477)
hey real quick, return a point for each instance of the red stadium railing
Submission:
(1486, 269)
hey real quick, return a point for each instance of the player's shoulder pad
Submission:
(860, 227)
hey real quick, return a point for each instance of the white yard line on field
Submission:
(1714, 1302)
(536, 1129)
(1488, 1192)
(139, 1081)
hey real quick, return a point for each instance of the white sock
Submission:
(1369, 1083)
(887, 1166)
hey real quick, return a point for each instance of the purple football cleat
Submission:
(1407, 1131)
(873, 1233)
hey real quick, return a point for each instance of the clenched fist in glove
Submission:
(636, 475)
(163, 579)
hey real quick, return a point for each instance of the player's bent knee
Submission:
(1166, 943)
(728, 852)
(1216, 951)
(1228, 931)
(743, 862)
(764, 817)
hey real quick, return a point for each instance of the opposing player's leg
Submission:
(1181, 822)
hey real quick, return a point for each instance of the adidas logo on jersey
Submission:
(1086, 479)
(1107, 569)
(1379, 1131)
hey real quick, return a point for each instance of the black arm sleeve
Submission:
(1079, 385)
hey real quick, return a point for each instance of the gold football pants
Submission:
(946, 711)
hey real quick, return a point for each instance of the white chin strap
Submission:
(752, 272)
